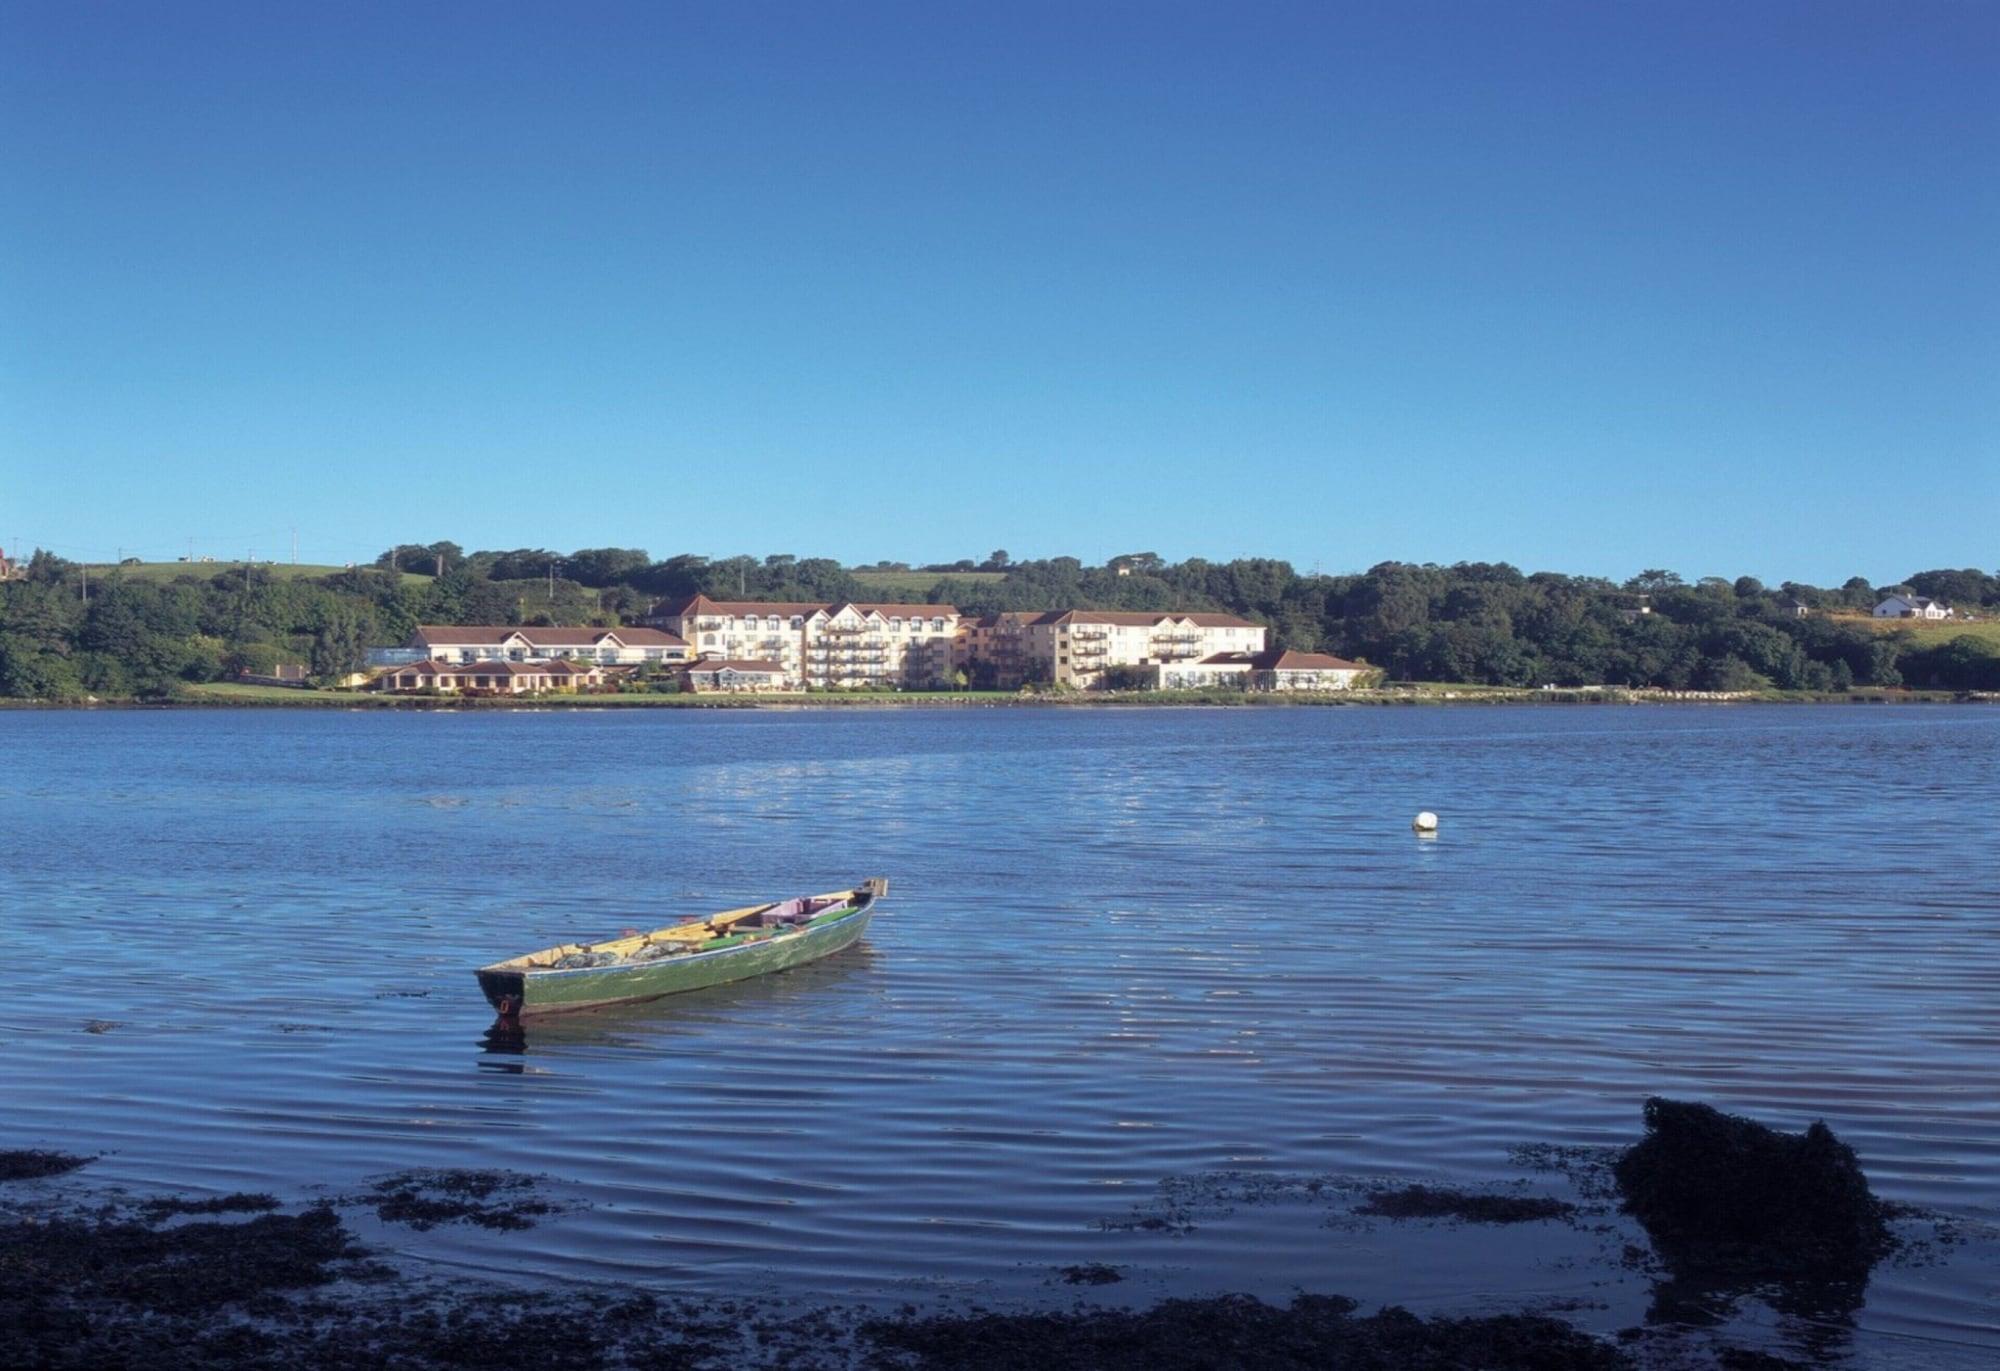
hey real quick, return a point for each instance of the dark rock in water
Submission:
(1470, 1206)
(1719, 1193)
(32, 1164)
(1092, 1273)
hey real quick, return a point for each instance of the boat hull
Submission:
(558, 992)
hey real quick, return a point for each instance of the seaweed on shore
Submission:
(172, 1206)
(189, 1268)
(1237, 1331)
(1469, 1206)
(423, 1199)
(95, 1289)
(33, 1164)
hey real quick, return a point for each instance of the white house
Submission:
(1912, 607)
(1285, 670)
(1272, 669)
(717, 674)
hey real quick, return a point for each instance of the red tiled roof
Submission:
(493, 635)
(889, 611)
(713, 665)
(736, 609)
(1287, 660)
(1129, 619)
(434, 668)
(701, 604)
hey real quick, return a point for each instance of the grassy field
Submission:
(171, 571)
(1927, 632)
(919, 583)
(240, 693)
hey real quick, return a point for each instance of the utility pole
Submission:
(84, 567)
(295, 544)
(552, 580)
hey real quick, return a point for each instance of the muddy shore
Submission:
(234, 1282)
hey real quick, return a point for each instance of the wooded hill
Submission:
(137, 636)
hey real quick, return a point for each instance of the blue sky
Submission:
(1583, 287)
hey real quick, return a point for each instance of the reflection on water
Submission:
(1122, 947)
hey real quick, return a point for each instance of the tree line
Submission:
(123, 637)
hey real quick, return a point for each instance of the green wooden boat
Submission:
(690, 955)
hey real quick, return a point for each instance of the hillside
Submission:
(917, 585)
(168, 572)
(1927, 633)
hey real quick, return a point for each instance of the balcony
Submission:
(1089, 634)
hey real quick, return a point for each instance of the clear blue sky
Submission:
(1586, 287)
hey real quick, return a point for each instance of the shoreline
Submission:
(281, 698)
(102, 1276)
(241, 1281)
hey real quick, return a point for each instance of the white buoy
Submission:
(1425, 822)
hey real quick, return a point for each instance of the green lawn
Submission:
(239, 692)
(919, 583)
(172, 571)
(1930, 632)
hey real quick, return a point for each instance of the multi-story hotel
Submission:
(1076, 647)
(822, 646)
(792, 646)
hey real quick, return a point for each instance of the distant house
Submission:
(714, 674)
(469, 643)
(10, 570)
(488, 677)
(1637, 609)
(1912, 607)
(1795, 607)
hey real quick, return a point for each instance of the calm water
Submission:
(1124, 948)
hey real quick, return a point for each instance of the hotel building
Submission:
(1076, 647)
(823, 646)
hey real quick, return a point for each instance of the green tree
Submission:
(338, 648)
